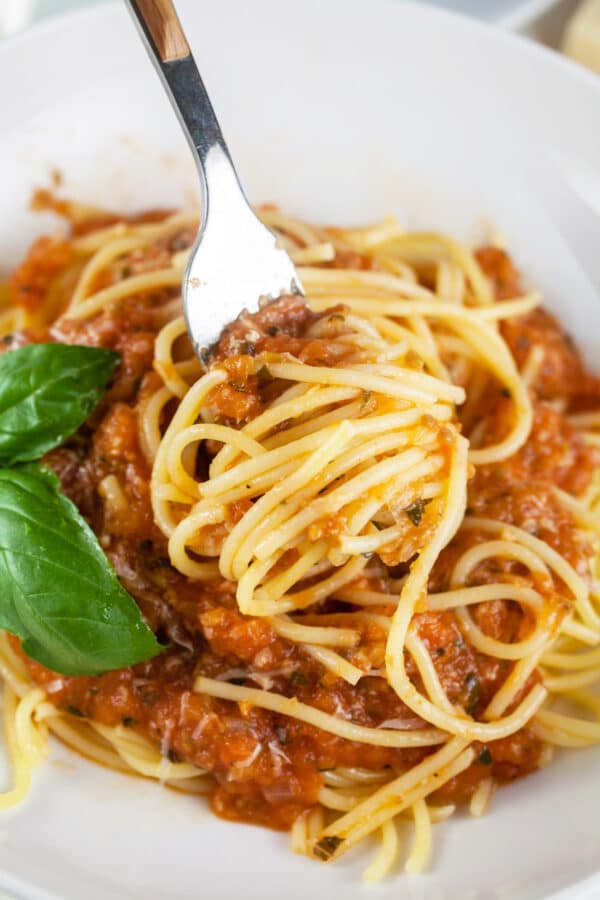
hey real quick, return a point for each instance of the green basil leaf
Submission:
(46, 392)
(9, 620)
(58, 591)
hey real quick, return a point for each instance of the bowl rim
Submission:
(21, 43)
(494, 30)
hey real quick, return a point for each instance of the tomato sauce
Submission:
(28, 286)
(268, 768)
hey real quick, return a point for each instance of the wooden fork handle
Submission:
(172, 58)
(163, 28)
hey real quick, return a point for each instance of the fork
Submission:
(235, 264)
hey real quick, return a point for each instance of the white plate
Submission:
(342, 112)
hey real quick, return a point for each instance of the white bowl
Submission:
(340, 111)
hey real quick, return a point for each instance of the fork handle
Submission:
(169, 50)
(162, 27)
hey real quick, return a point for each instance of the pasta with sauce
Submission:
(368, 531)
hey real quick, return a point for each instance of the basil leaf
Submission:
(46, 392)
(58, 591)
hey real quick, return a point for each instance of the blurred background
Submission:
(569, 26)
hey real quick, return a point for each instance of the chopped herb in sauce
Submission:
(326, 847)
(366, 399)
(74, 711)
(485, 757)
(416, 509)
(473, 687)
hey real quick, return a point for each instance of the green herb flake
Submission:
(366, 399)
(416, 509)
(298, 679)
(326, 847)
(473, 687)
(485, 757)
(128, 721)
(74, 711)
(46, 392)
(506, 393)
(238, 386)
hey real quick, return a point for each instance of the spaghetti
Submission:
(369, 531)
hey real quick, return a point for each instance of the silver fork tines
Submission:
(235, 263)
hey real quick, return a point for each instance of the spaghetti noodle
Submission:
(368, 530)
